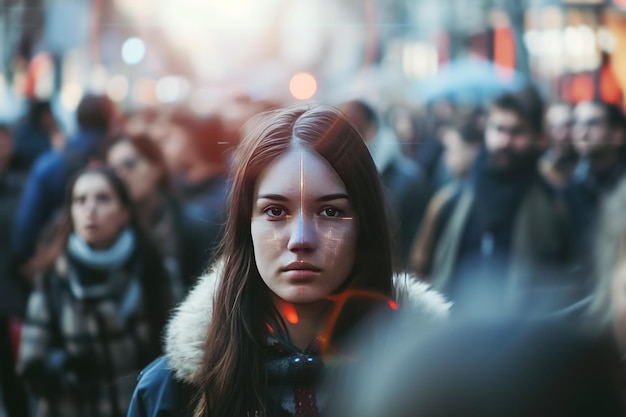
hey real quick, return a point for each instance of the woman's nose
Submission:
(303, 234)
(90, 206)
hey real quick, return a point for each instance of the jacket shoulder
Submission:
(159, 393)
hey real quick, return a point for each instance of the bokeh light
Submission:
(171, 89)
(303, 86)
(133, 50)
(71, 93)
(117, 88)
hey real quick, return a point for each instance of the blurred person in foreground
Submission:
(558, 162)
(568, 364)
(514, 367)
(183, 242)
(13, 293)
(95, 316)
(598, 135)
(501, 240)
(43, 193)
(404, 182)
(606, 307)
(195, 152)
(305, 262)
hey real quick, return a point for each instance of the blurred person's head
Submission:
(598, 129)
(98, 209)
(363, 117)
(40, 114)
(514, 131)
(404, 123)
(336, 222)
(195, 146)
(95, 112)
(139, 162)
(463, 141)
(559, 120)
(6, 147)
(99, 206)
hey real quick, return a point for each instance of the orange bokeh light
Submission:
(290, 313)
(303, 86)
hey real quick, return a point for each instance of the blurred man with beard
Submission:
(500, 241)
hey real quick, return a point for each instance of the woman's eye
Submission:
(103, 198)
(275, 212)
(331, 212)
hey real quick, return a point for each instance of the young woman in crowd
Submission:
(305, 261)
(96, 315)
(182, 241)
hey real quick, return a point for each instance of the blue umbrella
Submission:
(469, 81)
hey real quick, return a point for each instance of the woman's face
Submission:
(139, 174)
(97, 213)
(304, 229)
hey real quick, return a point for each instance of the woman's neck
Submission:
(304, 322)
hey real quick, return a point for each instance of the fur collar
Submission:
(186, 330)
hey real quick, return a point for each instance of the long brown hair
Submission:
(231, 375)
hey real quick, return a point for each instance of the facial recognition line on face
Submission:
(301, 223)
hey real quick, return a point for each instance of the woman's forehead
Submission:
(299, 171)
(91, 181)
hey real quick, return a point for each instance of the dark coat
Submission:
(79, 356)
(540, 251)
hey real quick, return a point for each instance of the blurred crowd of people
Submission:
(511, 207)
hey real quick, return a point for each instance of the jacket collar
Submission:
(186, 331)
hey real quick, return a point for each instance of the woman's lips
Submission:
(301, 266)
(301, 270)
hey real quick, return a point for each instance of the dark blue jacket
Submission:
(158, 394)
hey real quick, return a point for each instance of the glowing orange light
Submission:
(340, 300)
(290, 313)
(270, 328)
(303, 86)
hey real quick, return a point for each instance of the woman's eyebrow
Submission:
(329, 197)
(275, 197)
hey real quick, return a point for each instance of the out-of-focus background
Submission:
(506, 199)
(211, 53)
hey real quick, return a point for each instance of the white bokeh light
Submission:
(171, 89)
(133, 50)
